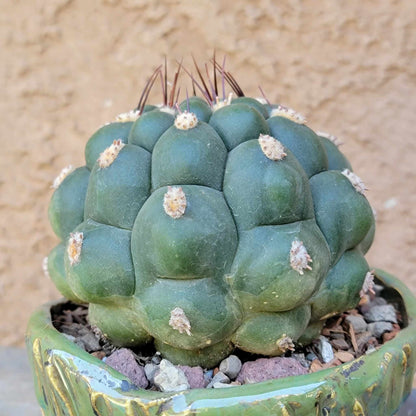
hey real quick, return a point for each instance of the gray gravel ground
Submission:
(17, 397)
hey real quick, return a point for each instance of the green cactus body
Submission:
(343, 214)
(147, 129)
(196, 156)
(336, 160)
(197, 106)
(66, 209)
(302, 142)
(253, 103)
(55, 268)
(238, 123)
(212, 229)
(103, 138)
(342, 285)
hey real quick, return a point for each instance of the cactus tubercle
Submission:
(288, 113)
(222, 103)
(131, 115)
(334, 139)
(355, 180)
(62, 175)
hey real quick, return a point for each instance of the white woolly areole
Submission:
(186, 121)
(45, 268)
(179, 321)
(174, 202)
(368, 285)
(285, 343)
(167, 109)
(331, 137)
(63, 174)
(222, 103)
(299, 257)
(110, 154)
(288, 113)
(357, 183)
(271, 147)
(74, 247)
(131, 115)
(262, 100)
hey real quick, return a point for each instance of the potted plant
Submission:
(201, 227)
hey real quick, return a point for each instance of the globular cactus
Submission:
(209, 225)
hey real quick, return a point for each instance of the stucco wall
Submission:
(69, 66)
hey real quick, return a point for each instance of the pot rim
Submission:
(41, 335)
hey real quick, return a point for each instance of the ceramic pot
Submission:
(69, 381)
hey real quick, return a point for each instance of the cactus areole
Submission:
(215, 223)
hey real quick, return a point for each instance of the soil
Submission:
(346, 335)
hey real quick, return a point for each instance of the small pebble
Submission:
(170, 378)
(311, 356)
(68, 336)
(220, 377)
(325, 349)
(379, 328)
(231, 366)
(300, 357)
(219, 385)
(357, 322)
(379, 313)
(370, 349)
(90, 342)
(378, 302)
(150, 371)
(156, 359)
(208, 374)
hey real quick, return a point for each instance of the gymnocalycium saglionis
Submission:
(218, 222)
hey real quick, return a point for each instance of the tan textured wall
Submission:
(68, 66)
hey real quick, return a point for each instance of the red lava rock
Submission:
(124, 362)
(195, 376)
(264, 369)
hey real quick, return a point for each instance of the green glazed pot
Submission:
(69, 381)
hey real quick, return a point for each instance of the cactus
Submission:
(211, 224)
